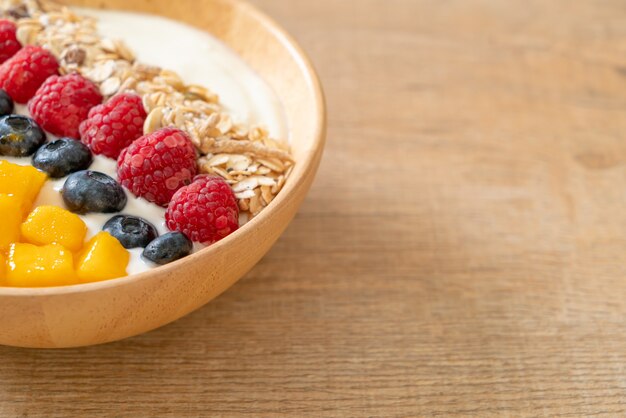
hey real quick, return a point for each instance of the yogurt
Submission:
(198, 58)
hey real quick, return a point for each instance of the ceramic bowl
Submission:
(107, 311)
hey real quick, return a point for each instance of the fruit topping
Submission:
(206, 210)
(91, 191)
(102, 258)
(113, 126)
(62, 103)
(11, 215)
(20, 136)
(30, 265)
(23, 182)
(54, 225)
(62, 157)
(131, 231)
(168, 247)
(23, 73)
(43, 254)
(6, 103)
(155, 166)
(9, 44)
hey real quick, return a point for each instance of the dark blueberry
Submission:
(20, 136)
(168, 247)
(6, 103)
(62, 157)
(131, 231)
(90, 191)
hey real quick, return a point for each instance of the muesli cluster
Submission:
(255, 165)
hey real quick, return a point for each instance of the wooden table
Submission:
(462, 253)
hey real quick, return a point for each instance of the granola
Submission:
(255, 165)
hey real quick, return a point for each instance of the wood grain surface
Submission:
(462, 252)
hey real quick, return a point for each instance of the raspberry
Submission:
(62, 103)
(9, 44)
(206, 210)
(23, 73)
(113, 126)
(155, 166)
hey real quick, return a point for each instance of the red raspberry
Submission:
(206, 210)
(155, 166)
(23, 73)
(62, 103)
(113, 126)
(9, 44)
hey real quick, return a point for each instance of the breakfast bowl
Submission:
(100, 312)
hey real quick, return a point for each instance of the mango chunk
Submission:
(23, 182)
(54, 225)
(39, 266)
(3, 269)
(10, 220)
(102, 258)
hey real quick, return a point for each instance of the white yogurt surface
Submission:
(198, 58)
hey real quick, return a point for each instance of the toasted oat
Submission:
(153, 121)
(110, 86)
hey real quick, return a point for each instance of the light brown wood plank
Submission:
(462, 252)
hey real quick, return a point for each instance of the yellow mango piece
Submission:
(10, 220)
(3, 269)
(39, 266)
(23, 182)
(102, 258)
(54, 225)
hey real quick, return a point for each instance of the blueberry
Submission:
(6, 103)
(91, 191)
(20, 136)
(131, 231)
(62, 157)
(168, 247)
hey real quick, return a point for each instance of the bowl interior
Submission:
(275, 56)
